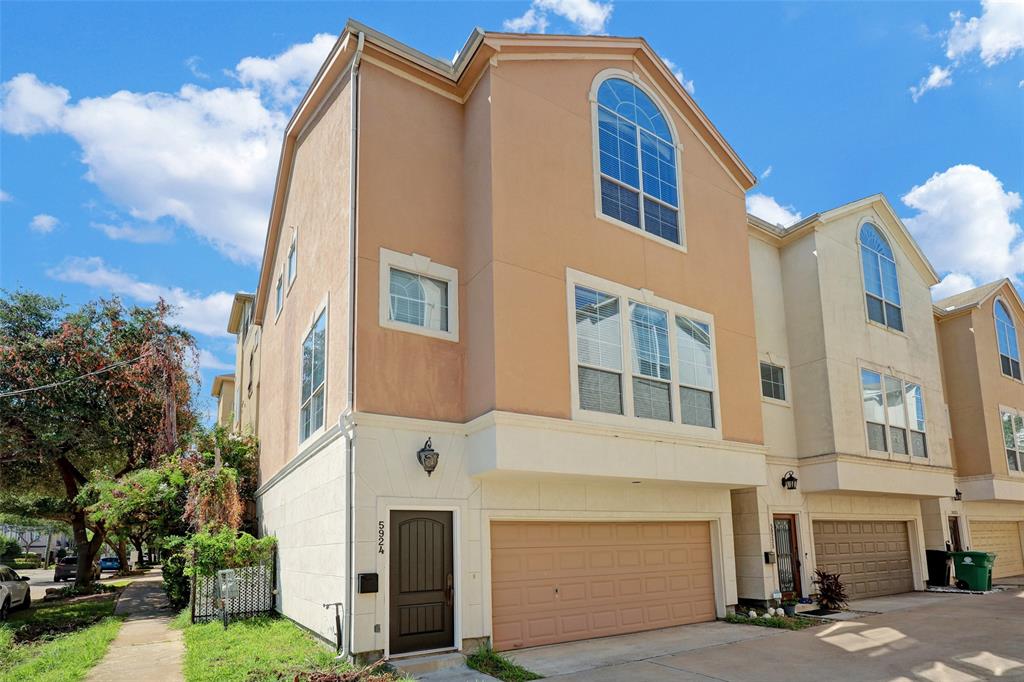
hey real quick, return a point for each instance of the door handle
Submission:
(448, 590)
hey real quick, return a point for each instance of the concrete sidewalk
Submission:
(145, 648)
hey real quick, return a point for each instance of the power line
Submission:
(108, 368)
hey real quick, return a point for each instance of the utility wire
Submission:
(108, 368)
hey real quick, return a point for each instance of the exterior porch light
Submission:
(789, 481)
(958, 495)
(428, 457)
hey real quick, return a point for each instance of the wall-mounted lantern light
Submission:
(789, 481)
(958, 495)
(427, 457)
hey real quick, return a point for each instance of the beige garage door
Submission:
(872, 556)
(1003, 538)
(557, 582)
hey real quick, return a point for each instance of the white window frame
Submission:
(626, 294)
(1014, 330)
(774, 362)
(321, 309)
(291, 266)
(1004, 409)
(904, 380)
(279, 296)
(418, 265)
(874, 221)
(658, 100)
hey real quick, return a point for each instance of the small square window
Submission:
(419, 301)
(773, 382)
(418, 295)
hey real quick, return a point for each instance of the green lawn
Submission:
(253, 650)
(488, 661)
(57, 642)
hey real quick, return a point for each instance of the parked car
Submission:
(67, 569)
(110, 563)
(14, 591)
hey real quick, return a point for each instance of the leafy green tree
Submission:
(86, 394)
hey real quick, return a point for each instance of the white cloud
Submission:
(4, 196)
(43, 223)
(208, 360)
(286, 76)
(937, 78)
(29, 106)
(678, 73)
(192, 64)
(586, 16)
(766, 208)
(138, 234)
(964, 223)
(996, 35)
(953, 283)
(767, 172)
(205, 158)
(203, 314)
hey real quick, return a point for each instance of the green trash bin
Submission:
(974, 569)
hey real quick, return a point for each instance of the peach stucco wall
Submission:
(317, 207)
(977, 387)
(502, 188)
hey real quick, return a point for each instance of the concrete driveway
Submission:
(921, 637)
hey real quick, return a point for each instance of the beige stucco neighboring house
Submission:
(247, 363)
(509, 348)
(853, 408)
(981, 332)
(223, 390)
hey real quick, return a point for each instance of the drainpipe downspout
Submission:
(350, 515)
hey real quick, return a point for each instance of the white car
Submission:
(14, 591)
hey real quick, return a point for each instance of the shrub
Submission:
(831, 590)
(176, 584)
(10, 549)
(211, 550)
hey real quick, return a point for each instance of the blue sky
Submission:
(140, 139)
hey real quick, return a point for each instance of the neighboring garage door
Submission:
(1003, 538)
(557, 582)
(873, 557)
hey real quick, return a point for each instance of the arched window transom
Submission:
(881, 284)
(637, 160)
(1006, 333)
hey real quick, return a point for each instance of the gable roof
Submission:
(237, 306)
(218, 383)
(976, 297)
(782, 235)
(457, 80)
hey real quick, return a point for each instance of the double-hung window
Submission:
(642, 359)
(1013, 438)
(773, 381)
(881, 283)
(314, 376)
(279, 293)
(293, 260)
(1006, 333)
(894, 412)
(637, 160)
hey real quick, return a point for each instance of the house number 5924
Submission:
(380, 537)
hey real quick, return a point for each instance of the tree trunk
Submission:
(137, 541)
(86, 548)
(122, 554)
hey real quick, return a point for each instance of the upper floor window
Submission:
(637, 160)
(1013, 438)
(773, 381)
(280, 294)
(418, 295)
(881, 285)
(314, 377)
(1009, 351)
(655, 363)
(293, 259)
(894, 412)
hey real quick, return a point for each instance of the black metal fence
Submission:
(256, 594)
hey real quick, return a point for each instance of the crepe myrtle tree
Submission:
(90, 393)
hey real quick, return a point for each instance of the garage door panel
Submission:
(653, 575)
(1003, 538)
(873, 557)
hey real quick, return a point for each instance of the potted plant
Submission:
(831, 591)
(789, 606)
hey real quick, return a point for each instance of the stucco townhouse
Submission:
(508, 348)
(853, 408)
(238, 392)
(980, 339)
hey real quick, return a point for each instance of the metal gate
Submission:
(256, 593)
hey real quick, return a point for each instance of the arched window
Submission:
(881, 285)
(637, 160)
(1006, 333)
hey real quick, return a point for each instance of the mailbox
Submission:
(368, 583)
(769, 557)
